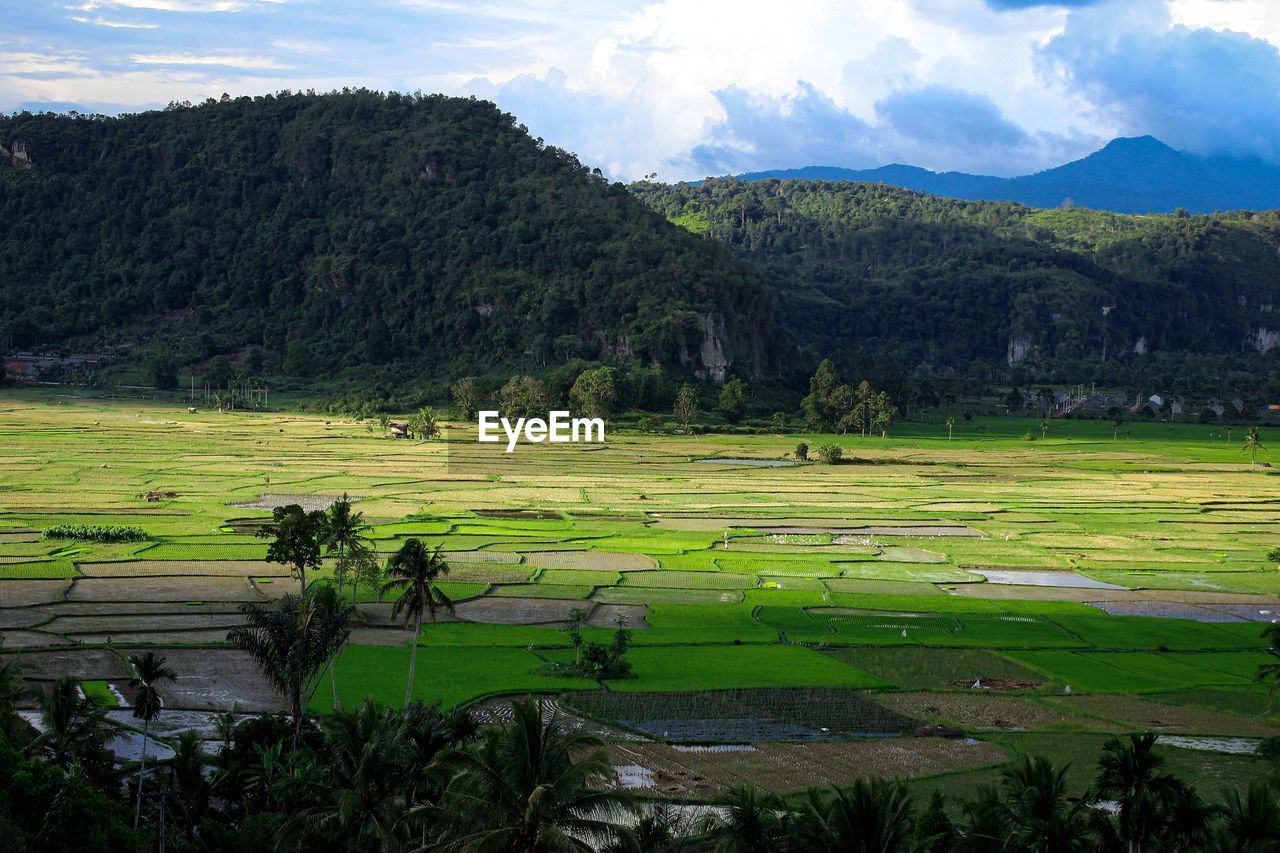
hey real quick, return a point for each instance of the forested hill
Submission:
(351, 234)
(878, 270)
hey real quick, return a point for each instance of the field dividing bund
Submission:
(790, 623)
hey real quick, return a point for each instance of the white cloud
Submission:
(114, 25)
(243, 62)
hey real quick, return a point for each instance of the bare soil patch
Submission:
(184, 568)
(16, 593)
(782, 767)
(23, 618)
(498, 711)
(380, 637)
(519, 514)
(73, 625)
(165, 589)
(31, 639)
(77, 663)
(981, 709)
(517, 611)
(214, 679)
(1138, 713)
(602, 560)
(307, 502)
(606, 615)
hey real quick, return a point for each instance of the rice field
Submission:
(1075, 585)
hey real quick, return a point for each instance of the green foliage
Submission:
(934, 281)
(830, 453)
(802, 452)
(523, 397)
(352, 235)
(466, 396)
(732, 397)
(97, 533)
(686, 407)
(594, 392)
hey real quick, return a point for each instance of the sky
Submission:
(690, 88)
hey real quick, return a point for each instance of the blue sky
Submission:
(687, 88)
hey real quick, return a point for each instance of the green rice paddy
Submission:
(1170, 516)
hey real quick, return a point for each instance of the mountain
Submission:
(351, 235)
(977, 286)
(1129, 175)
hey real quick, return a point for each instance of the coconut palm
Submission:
(870, 816)
(1044, 428)
(74, 728)
(415, 571)
(292, 644)
(1035, 812)
(13, 689)
(951, 424)
(358, 795)
(1252, 444)
(532, 786)
(751, 822)
(329, 602)
(343, 535)
(148, 672)
(1129, 772)
(1271, 671)
(1250, 823)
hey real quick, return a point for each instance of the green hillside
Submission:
(971, 285)
(355, 236)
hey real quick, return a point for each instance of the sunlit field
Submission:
(1034, 592)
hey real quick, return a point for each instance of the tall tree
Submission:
(297, 537)
(147, 672)
(466, 396)
(292, 644)
(870, 816)
(732, 398)
(73, 728)
(534, 785)
(1252, 444)
(594, 392)
(522, 397)
(423, 424)
(951, 425)
(343, 533)
(1035, 812)
(1129, 772)
(415, 572)
(686, 407)
(751, 822)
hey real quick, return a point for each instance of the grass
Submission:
(1169, 508)
(100, 693)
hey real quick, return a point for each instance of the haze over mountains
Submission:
(1129, 175)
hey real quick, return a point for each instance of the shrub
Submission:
(802, 452)
(97, 533)
(830, 453)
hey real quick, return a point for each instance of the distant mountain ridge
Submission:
(1129, 175)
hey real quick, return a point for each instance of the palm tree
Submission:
(344, 534)
(292, 643)
(415, 571)
(1252, 444)
(13, 689)
(74, 727)
(533, 786)
(1250, 824)
(870, 816)
(1271, 671)
(1035, 813)
(752, 822)
(149, 670)
(1044, 428)
(358, 793)
(951, 424)
(1129, 772)
(329, 601)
